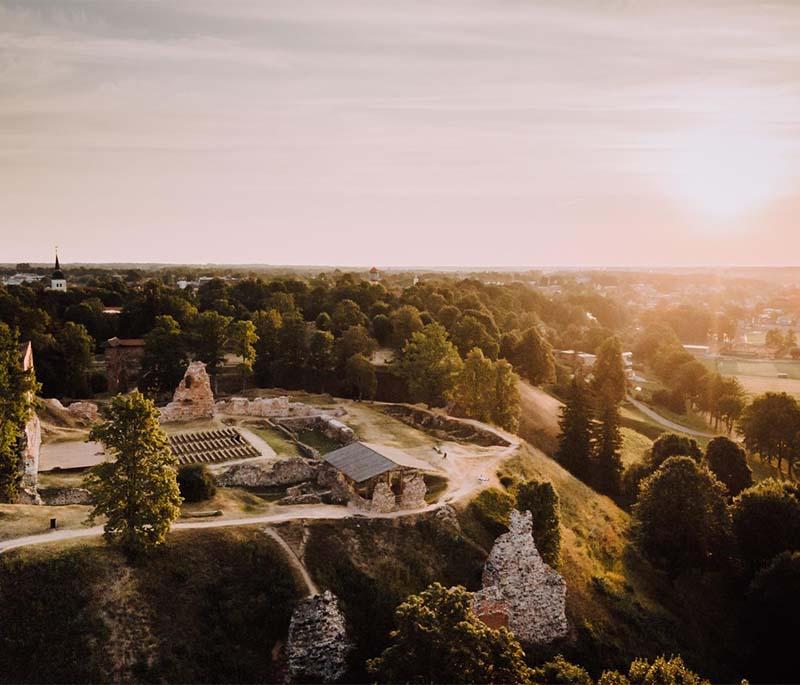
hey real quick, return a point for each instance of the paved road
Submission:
(677, 427)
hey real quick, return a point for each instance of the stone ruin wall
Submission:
(193, 398)
(519, 589)
(317, 646)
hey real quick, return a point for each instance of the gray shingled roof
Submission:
(359, 462)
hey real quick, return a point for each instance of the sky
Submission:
(401, 132)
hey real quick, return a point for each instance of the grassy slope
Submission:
(207, 608)
(618, 605)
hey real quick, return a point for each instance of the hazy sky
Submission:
(401, 132)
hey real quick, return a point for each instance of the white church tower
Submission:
(57, 281)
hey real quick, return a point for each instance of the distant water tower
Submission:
(374, 275)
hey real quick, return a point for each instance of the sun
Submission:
(725, 172)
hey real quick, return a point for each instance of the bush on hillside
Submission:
(541, 499)
(196, 483)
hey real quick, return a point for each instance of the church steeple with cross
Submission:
(58, 281)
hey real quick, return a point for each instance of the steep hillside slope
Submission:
(210, 607)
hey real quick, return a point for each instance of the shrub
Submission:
(492, 508)
(559, 671)
(541, 499)
(196, 483)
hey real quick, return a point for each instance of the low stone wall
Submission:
(446, 427)
(270, 408)
(257, 475)
(65, 496)
(328, 425)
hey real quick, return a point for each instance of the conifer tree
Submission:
(609, 386)
(575, 443)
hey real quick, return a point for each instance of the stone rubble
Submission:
(317, 646)
(412, 494)
(517, 583)
(84, 410)
(193, 398)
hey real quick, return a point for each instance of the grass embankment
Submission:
(209, 607)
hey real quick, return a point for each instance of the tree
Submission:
(505, 399)
(771, 426)
(609, 382)
(606, 467)
(292, 353)
(243, 338)
(430, 364)
(75, 346)
(196, 483)
(574, 450)
(471, 392)
(268, 325)
(17, 388)
(766, 521)
(347, 313)
(405, 322)
(439, 639)
(662, 671)
(382, 328)
(320, 352)
(136, 490)
(541, 499)
(470, 333)
(210, 332)
(533, 357)
(355, 340)
(774, 339)
(773, 619)
(609, 386)
(360, 375)
(728, 462)
(669, 445)
(681, 519)
(164, 361)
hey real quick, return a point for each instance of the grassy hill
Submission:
(210, 607)
(215, 604)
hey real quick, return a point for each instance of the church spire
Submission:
(58, 266)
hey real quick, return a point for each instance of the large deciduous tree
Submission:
(164, 361)
(430, 364)
(681, 518)
(136, 490)
(243, 338)
(771, 428)
(728, 462)
(439, 639)
(766, 521)
(533, 357)
(210, 335)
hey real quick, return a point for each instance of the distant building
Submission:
(58, 281)
(374, 275)
(20, 278)
(123, 363)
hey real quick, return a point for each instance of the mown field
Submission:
(758, 377)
